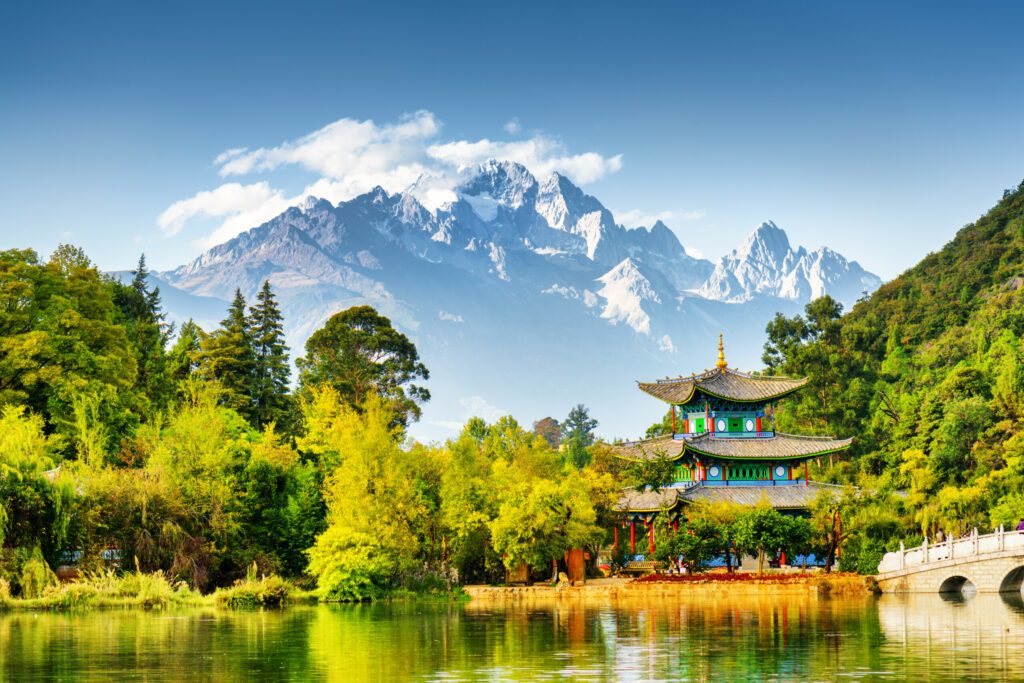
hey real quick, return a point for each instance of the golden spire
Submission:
(721, 355)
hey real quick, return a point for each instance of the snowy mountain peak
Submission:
(766, 265)
(768, 243)
(506, 182)
(625, 290)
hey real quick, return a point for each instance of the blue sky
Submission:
(876, 128)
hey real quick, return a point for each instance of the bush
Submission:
(268, 591)
(350, 566)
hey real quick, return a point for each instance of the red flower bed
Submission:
(738, 577)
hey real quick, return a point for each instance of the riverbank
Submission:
(152, 591)
(736, 585)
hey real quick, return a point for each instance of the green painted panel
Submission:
(700, 426)
(749, 472)
(735, 424)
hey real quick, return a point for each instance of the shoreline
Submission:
(611, 590)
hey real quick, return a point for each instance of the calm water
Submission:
(920, 638)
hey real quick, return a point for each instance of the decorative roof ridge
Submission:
(811, 437)
(638, 442)
(713, 372)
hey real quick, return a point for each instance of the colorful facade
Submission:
(725, 447)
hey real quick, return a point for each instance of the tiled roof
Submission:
(792, 496)
(650, 449)
(725, 384)
(779, 446)
(648, 501)
(787, 497)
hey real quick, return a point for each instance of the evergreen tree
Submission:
(148, 332)
(227, 357)
(578, 435)
(270, 381)
(183, 358)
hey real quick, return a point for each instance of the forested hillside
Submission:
(928, 375)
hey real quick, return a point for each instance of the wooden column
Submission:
(652, 539)
(615, 531)
(806, 476)
(673, 409)
(632, 537)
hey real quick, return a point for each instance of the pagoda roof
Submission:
(635, 500)
(650, 449)
(724, 383)
(790, 497)
(778, 447)
(780, 497)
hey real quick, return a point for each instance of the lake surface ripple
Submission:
(713, 638)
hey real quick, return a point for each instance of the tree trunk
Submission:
(760, 561)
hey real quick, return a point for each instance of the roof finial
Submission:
(721, 364)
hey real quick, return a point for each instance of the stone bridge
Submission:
(993, 563)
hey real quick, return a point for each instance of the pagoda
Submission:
(725, 448)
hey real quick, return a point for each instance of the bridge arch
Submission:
(1013, 582)
(958, 584)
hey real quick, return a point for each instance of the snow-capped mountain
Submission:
(522, 296)
(766, 265)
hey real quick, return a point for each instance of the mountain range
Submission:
(522, 296)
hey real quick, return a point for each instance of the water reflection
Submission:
(710, 638)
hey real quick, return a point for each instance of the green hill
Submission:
(928, 374)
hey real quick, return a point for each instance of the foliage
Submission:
(697, 543)
(271, 402)
(358, 353)
(549, 429)
(578, 435)
(928, 374)
(264, 591)
(227, 357)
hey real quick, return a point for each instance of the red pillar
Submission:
(782, 558)
(806, 476)
(673, 409)
(632, 537)
(652, 538)
(615, 530)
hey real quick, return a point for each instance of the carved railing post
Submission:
(924, 552)
(903, 556)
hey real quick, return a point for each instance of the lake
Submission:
(785, 638)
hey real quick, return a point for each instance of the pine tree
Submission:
(183, 358)
(148, 333)
(578, 435)
(227, 356)
(270, 382)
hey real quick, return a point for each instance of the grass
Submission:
(268, 591)
(107, 589)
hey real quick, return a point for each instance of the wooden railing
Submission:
(951, 549)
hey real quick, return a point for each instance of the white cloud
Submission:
(229, 199)
(478, 406)
(637, 217)
(542, 155)
(351, 157)
(512, 126)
